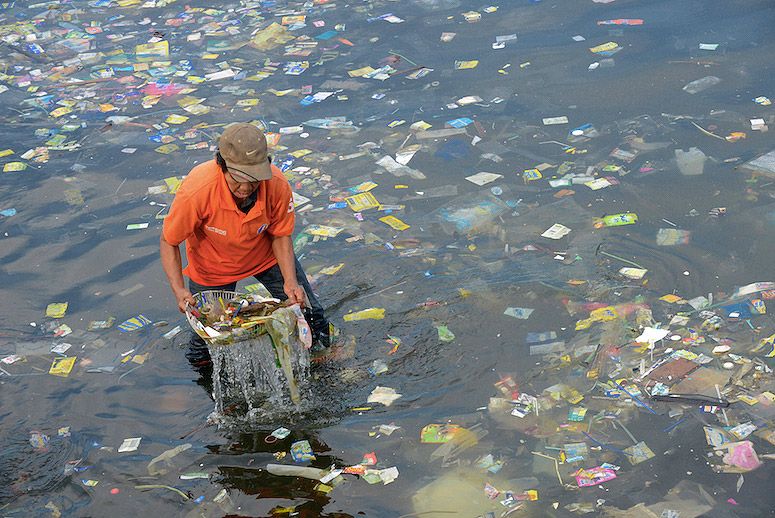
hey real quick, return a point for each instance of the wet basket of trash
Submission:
(259, 347)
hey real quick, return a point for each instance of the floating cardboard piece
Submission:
(672, 372)
(764, 164)
(702, 381)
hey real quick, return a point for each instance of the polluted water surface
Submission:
(541, 229)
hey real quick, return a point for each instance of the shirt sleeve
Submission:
(282, 217)
(182, 221)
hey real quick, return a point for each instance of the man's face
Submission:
(240, 185)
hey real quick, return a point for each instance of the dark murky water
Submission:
(68, 242)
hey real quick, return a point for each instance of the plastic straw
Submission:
(606, 446)
(637, 399)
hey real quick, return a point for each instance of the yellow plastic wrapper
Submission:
(173, 183)
(323, 230)
(331, 270)
(362, 201)
(394, 223)
(175, 119)
(56, 309)
(365, 314)
(605, 47)
(151, 51)
(62, 110)
(360, 72)
(62, 366)
(605, 314)
(466, 65)
(166, 149)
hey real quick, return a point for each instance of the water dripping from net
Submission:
(260, 377)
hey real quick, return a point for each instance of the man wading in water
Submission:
(236, 215)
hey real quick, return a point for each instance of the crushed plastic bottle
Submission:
(690, 163)
(39, 441)
(701, 84)
(445, 335)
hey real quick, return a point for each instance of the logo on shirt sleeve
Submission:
(290, 205)
(262, 228)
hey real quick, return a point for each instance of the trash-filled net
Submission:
(259, 348)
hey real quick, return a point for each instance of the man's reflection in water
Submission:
(283, 492)
(199, 357)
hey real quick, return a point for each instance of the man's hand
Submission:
(184, 297)
(295, 293)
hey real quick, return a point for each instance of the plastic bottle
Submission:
(224, 501)
(690, 163)
(287, 470)
(165, 458)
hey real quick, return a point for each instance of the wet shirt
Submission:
(224, 244)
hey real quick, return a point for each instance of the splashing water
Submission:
(264, 372)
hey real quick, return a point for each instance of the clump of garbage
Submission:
(223, 317)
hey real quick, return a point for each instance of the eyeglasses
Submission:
(235, 180)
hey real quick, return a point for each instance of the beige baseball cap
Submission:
(243, 147)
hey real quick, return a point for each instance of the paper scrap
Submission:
(633, 273)
(556, 231)
(130, 444)
(483, 178)
(137, 226)
(383, 395)
(549, 121)
(520, 313)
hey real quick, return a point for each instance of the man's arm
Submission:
(173, 268)
(282, 247)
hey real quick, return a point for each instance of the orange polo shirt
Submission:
(223, 244)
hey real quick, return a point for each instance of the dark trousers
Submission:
(272, 279)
